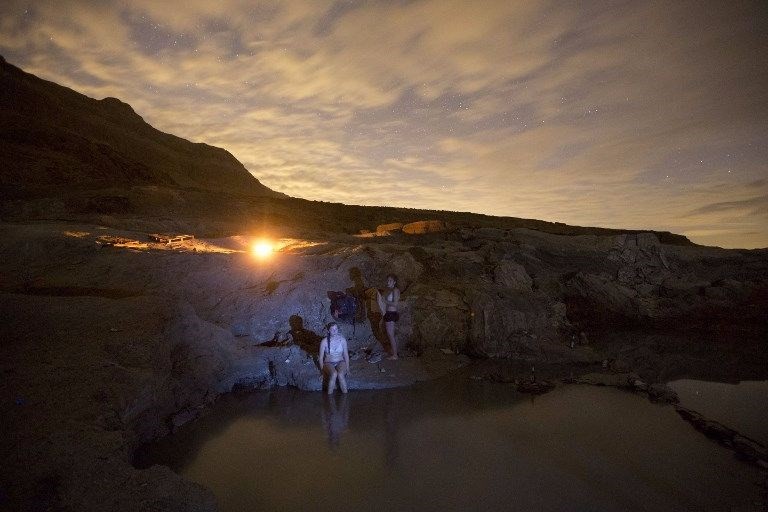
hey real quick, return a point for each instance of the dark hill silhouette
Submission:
(65, 156)
(53, 136)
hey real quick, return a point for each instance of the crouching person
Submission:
(334, 358)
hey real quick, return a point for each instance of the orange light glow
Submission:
(262, 249)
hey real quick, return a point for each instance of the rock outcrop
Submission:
(111, 346)
(388, 229)
(645, 283)
(422, 227)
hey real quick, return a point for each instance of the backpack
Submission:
(343, 307)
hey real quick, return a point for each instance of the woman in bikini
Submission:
(334, 358)
(388, 305)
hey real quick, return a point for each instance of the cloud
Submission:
(642, 115)
(755, 206)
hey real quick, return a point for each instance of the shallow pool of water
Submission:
(742, 406)
(454, 445)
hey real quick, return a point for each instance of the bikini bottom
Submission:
(391, 316)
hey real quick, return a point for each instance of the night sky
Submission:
(646, 115)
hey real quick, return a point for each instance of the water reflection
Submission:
(335, 417)
(454, 445)
(390, 431)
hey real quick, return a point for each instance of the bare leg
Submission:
(390, 326)
(342, 372)
(331, 371)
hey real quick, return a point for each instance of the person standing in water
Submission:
(334, 358)
(388, 306)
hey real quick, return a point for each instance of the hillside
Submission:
(53, 136)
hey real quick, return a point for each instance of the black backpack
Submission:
(343, 307)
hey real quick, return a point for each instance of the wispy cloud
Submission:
(630, 114)
(755, 206)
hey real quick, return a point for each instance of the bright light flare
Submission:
(262, 249)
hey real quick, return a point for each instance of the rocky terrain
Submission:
(110, 339)
(105, 347)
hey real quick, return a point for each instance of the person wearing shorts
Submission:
(388, 304)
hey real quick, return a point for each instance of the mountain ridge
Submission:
(35, 113)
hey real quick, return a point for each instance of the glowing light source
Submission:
(262, 249)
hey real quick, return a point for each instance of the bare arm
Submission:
(346, 357)
(321, 354)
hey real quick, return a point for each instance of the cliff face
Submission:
(53, 137)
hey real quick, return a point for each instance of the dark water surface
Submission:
(742, 407)
(454, 444)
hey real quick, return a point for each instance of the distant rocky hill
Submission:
(53, 136)
(65, 156)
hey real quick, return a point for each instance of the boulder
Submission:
(598, 295)
(641, 259)
(662, 393)
(514, 326)
(512, 275)
(439, 328)
(388, 229)
(675, 286)
(727, 291)
(405, 267)
(443, 298)
(746, 448)
(491, 233)
(422, 227)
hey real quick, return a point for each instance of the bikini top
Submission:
(339, 351)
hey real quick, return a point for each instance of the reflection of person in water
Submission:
(334, 358)
(391, 445)
(335, 418)
(388, 306)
